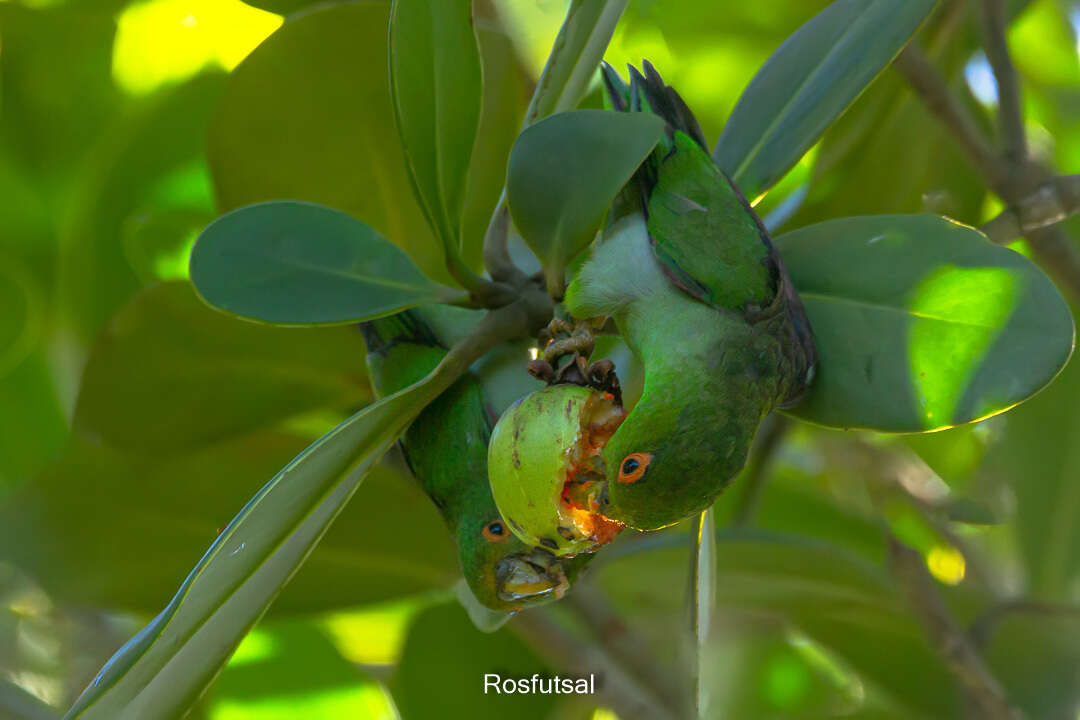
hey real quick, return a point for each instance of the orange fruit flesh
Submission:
(585, 478)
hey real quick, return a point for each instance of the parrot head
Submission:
(665, 463)
(503, 572)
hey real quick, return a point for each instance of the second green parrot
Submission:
(689, 275)
(447, 447)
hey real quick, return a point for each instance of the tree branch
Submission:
(1050, 204)
(984, 696)
(1013, 180)
(564, 650)
(994, 22)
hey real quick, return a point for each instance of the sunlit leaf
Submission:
(437, 89)
(289, 670)
(205, 377)
(158, 246)
(921, 323)
(442, 668)
(308, 116)
(1039, 456)
(564, 172)
(837, 599)
(169, 663)
(808, 82)
(295, 263)
(160, 141)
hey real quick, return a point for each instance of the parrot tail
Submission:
(383, 334)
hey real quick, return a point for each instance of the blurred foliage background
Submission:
(136, 421)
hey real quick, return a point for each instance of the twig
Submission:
(776, 427)
(1013, 181)
(983, 694)
(1050, 204)
(623, 644)
(564, 650)
(994, 21)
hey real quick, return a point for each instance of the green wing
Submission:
(705, 236)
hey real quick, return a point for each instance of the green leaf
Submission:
(20, 314)
(291, 670)
(808, 82)
(283, 7)
(921, 323)
(506, 94)
(308, 116)
(158, 143)
(1039, 457)
(294, 263)
(1036, 657)
(835, 598)
(701, 604)
(564, 172)
(442, 668)
(163, 669)
(205, 377)
(437, 88)
(126, 545)
(575, 55)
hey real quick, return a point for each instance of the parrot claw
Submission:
(575, 340)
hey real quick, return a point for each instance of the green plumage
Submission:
(446, 448)
(696, 288)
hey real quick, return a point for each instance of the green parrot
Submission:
(446, 448)
(694, 285)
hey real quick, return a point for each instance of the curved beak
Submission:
(529, 576)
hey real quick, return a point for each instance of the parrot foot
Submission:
(576, 341)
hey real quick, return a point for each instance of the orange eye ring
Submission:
(495, 531)
(633, 467)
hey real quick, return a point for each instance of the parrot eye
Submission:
(495, 531)
(633, 467)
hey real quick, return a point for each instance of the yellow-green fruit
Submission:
(543, 463)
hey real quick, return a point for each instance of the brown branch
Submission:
(994, 24)
(1050, 204)
(1013, 180)
(984, 697)
(934, 91)
(570, 654)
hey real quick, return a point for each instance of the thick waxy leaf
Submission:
(162, 513)
(1039, 456)
(437, 89)
(204, 377)
(295, 263)
(808, 82)
(564, 172)
(308, 116)
(169, 663)
(921, 323)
